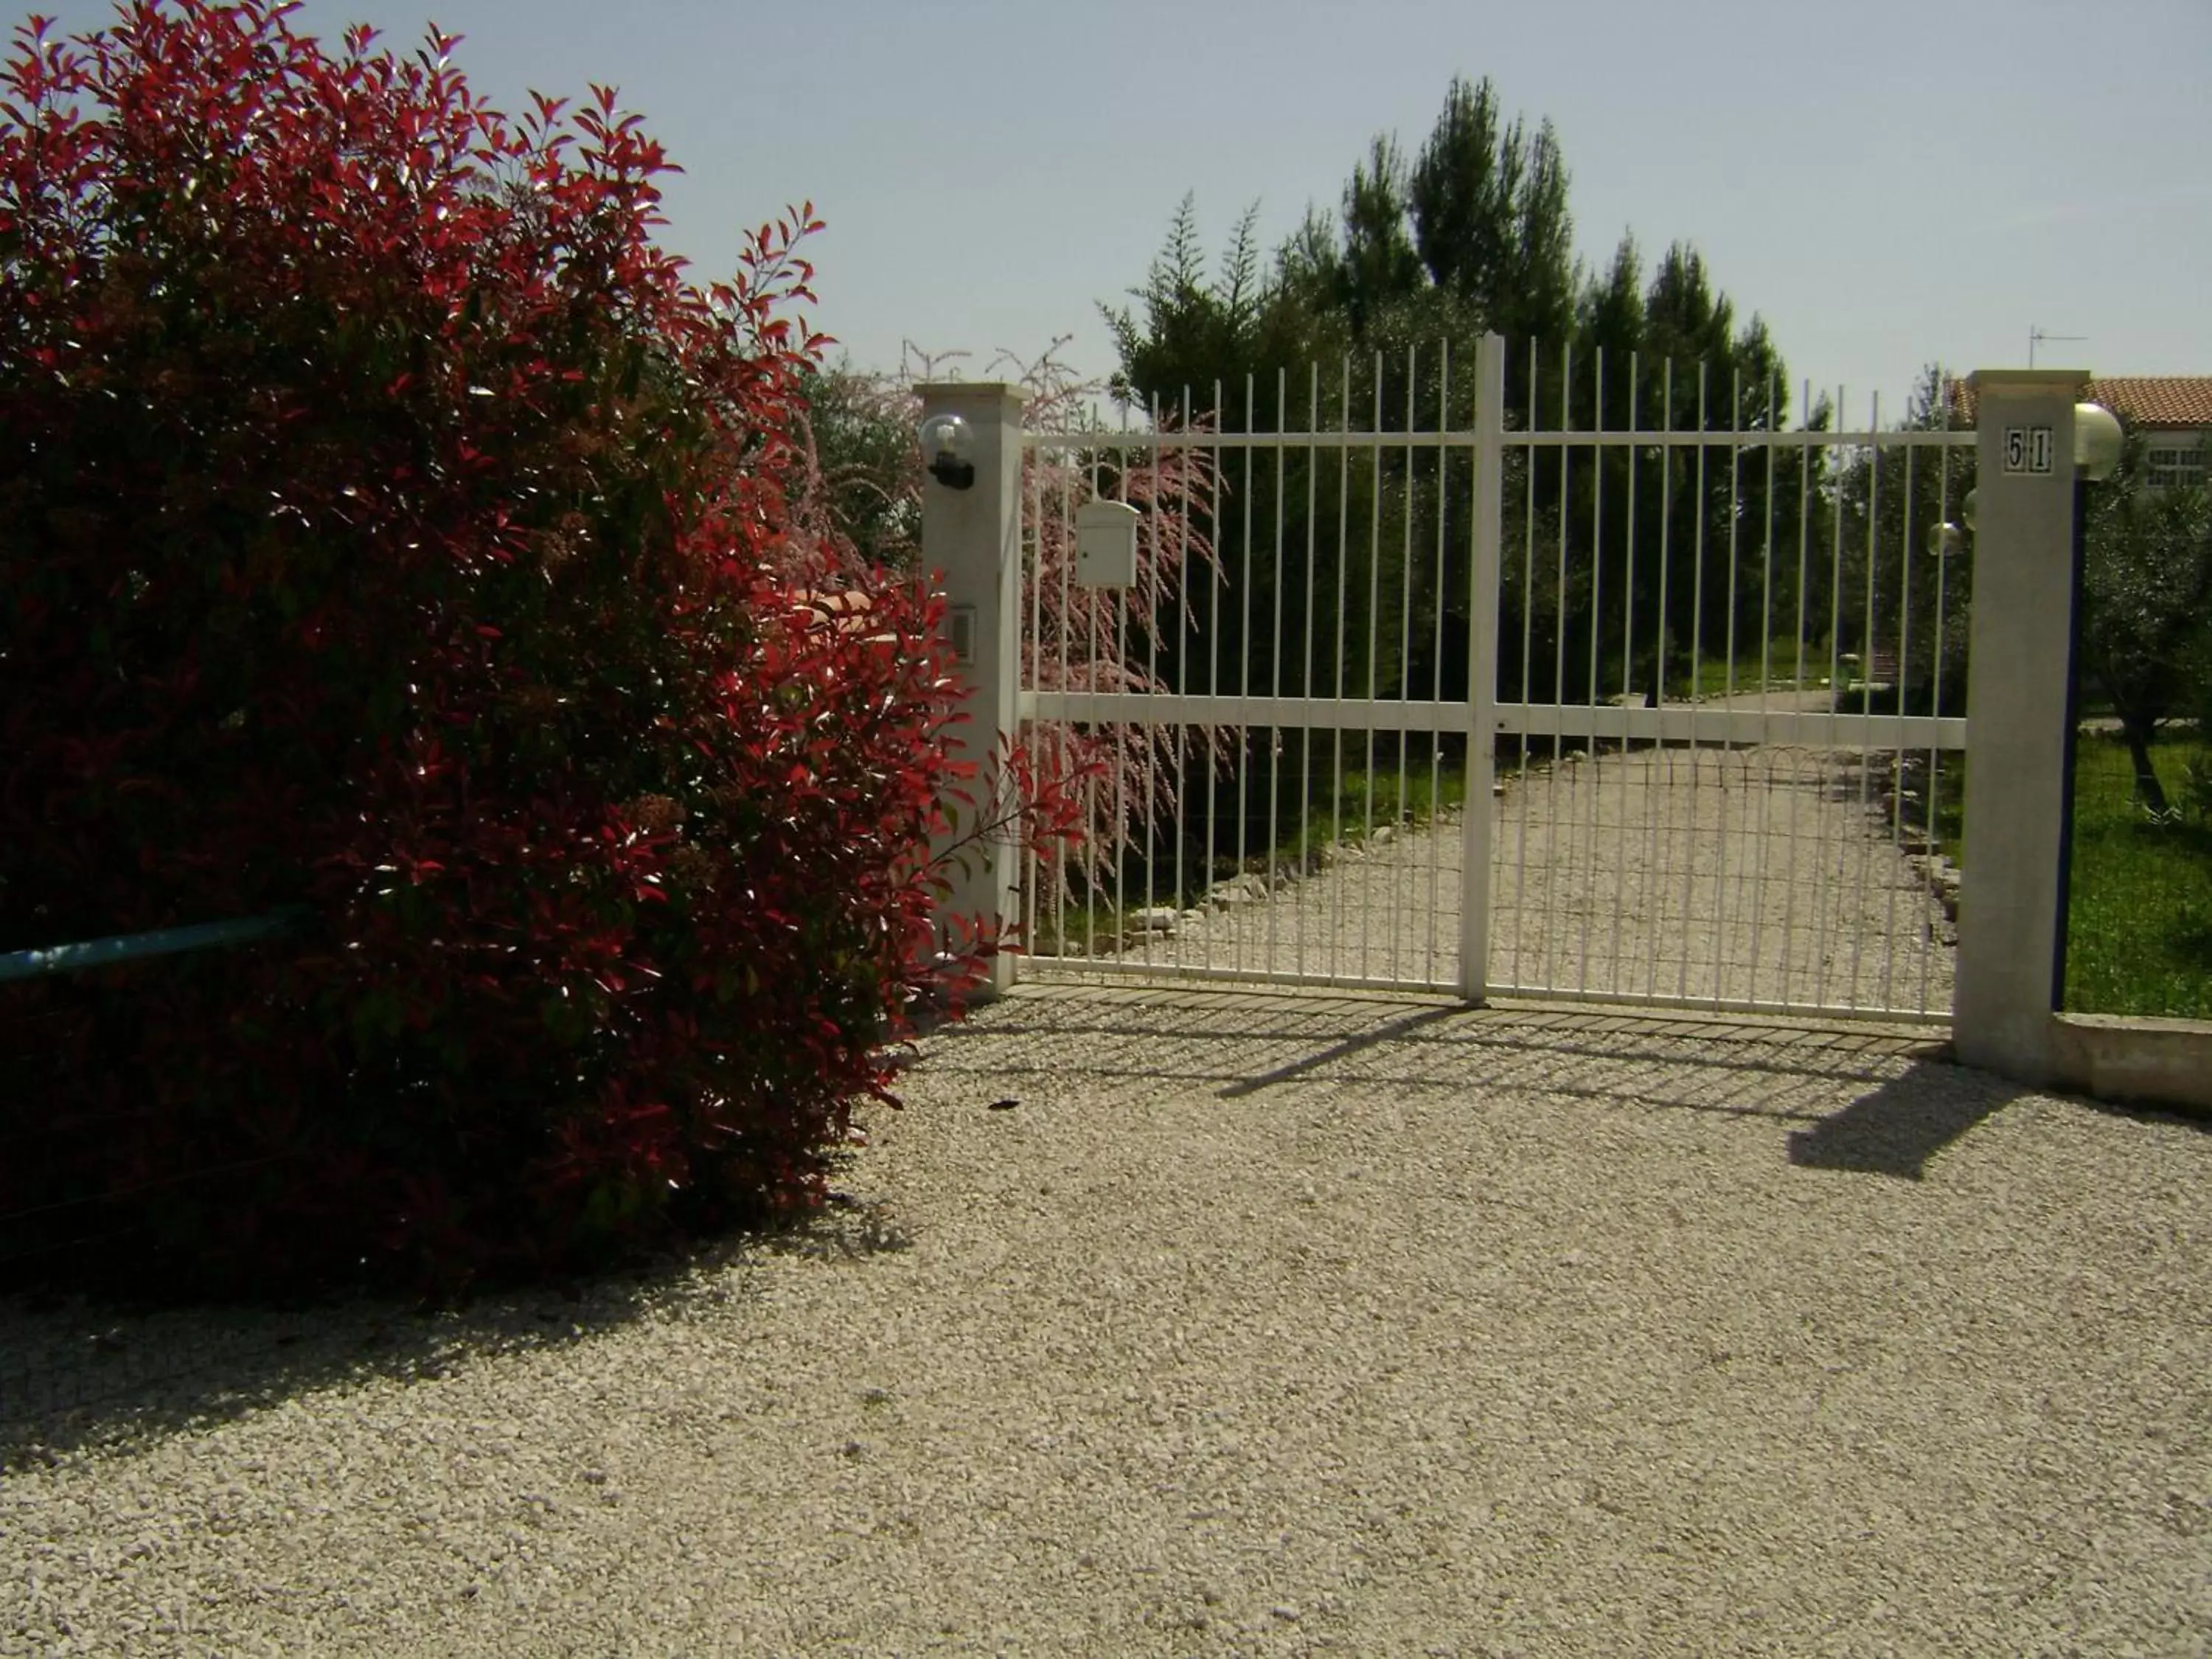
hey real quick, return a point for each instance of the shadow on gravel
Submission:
(1234, 1047)
(1900, 1127)
(1391, 1031)
(77, 1373)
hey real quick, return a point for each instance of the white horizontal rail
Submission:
(1825, 1012)
(1134, 968)
(1607, 438)
(1291, 713)
(1679, 723)
(1733, 727)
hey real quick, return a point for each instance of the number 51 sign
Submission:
(2027, 448)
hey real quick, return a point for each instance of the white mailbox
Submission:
(1106, 545)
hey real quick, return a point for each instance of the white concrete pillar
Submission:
(972, 537)
(2010, 908)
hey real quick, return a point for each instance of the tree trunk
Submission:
(2149, 793)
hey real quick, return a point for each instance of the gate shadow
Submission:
(1900, 1127)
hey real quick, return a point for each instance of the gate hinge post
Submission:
(971, 540)
(2011, 907)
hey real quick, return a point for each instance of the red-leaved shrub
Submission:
(387, 530)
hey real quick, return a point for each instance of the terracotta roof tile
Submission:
(2156, 402)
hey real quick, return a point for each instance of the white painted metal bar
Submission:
(1213, 651)
(1436, 607)
(1275, 672)
(1525, 437)
(1182, 659)
(1738, 728)
(1724, 1004)
(1520, 906)
(1698, 682)
(1244, 668)
(1773, 396)
(1399, 815)
(1867, 623)
(1827, 836)
(1893, 761)
(1343, 581)
(1478, 819)
(1674, 723)
(1307, 846)
(1374, 625)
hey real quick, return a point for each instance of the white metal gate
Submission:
(1717, 673)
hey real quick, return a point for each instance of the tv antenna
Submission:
(2035, 336)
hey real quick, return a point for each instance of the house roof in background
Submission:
(2154, 400)
(2151, 402)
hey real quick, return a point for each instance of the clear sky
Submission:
(1890, 182)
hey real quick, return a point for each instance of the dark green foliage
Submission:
(2146, 622)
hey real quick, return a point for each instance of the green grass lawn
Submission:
(2139, 935)
(1782, 664)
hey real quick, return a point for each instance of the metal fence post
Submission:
(1475, 824)
(2010, 909)
(971, 535)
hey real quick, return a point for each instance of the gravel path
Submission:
(1743, 877)
(1260, 1325)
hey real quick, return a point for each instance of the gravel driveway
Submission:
(1258, 1325)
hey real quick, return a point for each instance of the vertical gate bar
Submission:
(1244, 669)
(1436, 654)
(1120, 834)
(1798, 686)
(1401, 945)
(1616, 980)
(1934, 809)
(1275, 679)
(1895, 761)
(1215, 583)
(1528, 661)
(1832, 868)
(1309, 850)
(1080, 861)
(1664, 801)
(1587, 788)
(1735, 514)
(1089, 600)
(1374, 614)
(1597, 770)
(1484, 527)
(1772, 418)
(1735, 800)
(1032, 577)
(1697, 679)
(1867, 627)
(1181, 659)
(1118, 607)
(1698, 686)
(1563, 868)
(1149, 585)
(1337, 955)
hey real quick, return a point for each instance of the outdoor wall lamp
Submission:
(2096, 442)
(948, 451)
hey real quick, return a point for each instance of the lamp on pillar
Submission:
(2097, 442)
